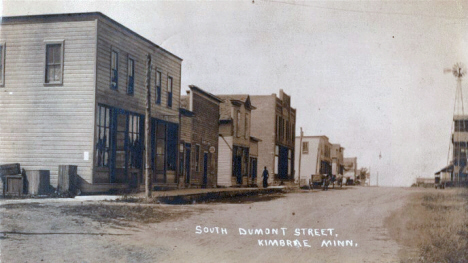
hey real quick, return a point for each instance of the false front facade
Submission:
(238, 150)
(315, 156)
(198, 149)
(73, 92)
(274, 122)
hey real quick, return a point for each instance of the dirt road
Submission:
(334, 226)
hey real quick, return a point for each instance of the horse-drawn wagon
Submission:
(319, 181)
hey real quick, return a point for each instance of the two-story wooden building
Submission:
(238, 150)
(315, 156)
(274, 122)
(73, 92)
(198, 149)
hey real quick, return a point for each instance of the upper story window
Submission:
(305, 147)
(293, 132)
(169, 91)
(131, 76)
(54, 63)
(461, 125)
(281, 128)
(238, 117)
(197, 158)
(158, 87)
(277, 127)
(246, 125)
(114, 70)
(2, 64)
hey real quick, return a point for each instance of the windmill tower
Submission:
(459, 138)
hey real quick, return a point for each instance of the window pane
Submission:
(114, 60)
(246, 126)
(57, 55)
(107, 117)
(1, 64)
(160, 147)
(169, 84)
(107, 138)
(57, 72)
(130, 67)
(158, 78)
(49, 54)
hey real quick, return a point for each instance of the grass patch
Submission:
(432, 227)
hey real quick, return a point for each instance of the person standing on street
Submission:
(265, 177)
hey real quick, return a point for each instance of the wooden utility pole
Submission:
(300, 157)
(148, 170)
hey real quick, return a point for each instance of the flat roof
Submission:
(48, 18)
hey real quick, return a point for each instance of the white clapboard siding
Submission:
(225, 161)
(42, 127)
(111, 36)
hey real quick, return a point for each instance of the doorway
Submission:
(188, 147)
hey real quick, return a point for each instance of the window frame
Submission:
(170, 92)
(113, 50)
(160, 141)
(60, 42)
(132, 91)
(238, 123)
(305, 150)
(246, 125)
(158, 87)
(103, 152)
(197, 157)
(135, 140)
(2, 61)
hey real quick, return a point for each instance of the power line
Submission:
(364, 11)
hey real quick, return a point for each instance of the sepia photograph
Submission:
(233, 131)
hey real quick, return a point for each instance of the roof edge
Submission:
(79, 17)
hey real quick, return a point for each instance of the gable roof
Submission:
(239, 98)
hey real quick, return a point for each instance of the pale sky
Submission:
(369, 75)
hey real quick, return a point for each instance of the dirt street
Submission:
(321, 226)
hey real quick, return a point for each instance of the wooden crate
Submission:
(7, 170)
(14, 185)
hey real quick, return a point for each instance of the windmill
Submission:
(459, 131)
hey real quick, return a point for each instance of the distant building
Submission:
(316, 156)
(350, 168)
(457, 170)
(238, 150)
(363, 176)
(73, 92)
(274, 122)
(198, 148)
(337, 153)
